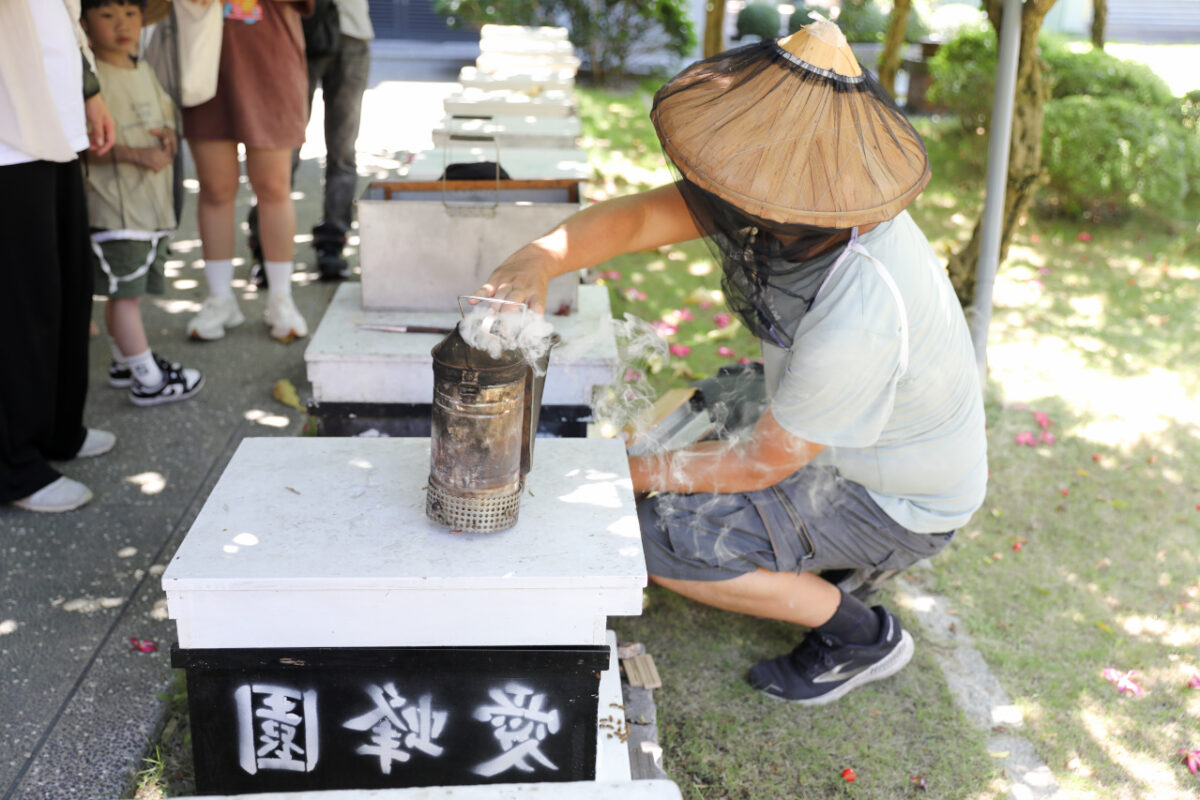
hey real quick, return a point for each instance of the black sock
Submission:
(853, 623)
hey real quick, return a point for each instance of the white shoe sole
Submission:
(44, 506)
(146, 402)
(212, 336)
(887, 666)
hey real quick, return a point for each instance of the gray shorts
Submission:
(814, 520)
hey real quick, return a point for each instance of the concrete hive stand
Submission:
(368, 380)
(312, 552)
(511, 131)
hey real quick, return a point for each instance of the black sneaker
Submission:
(178, 384)
(119, 375)
(822, 669)
(331, 264)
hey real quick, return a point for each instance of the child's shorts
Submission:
(813, 520)
(126, 268)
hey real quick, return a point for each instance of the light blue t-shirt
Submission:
(882, 372)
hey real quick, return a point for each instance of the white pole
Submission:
(997, 174)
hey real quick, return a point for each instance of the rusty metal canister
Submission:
(481, 428)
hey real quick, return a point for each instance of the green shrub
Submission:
(1109, 155)
(865, 21)
(759, 19)
(1098, 73)
(963, 76)
(800, 17)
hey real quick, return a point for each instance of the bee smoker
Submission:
(484, 421)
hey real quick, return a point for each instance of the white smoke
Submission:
(494, 330)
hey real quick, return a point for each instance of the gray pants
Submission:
(343, 79)
(813, 520)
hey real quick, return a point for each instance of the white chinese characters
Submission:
(521, 725)
(398, 727)
(277, 728)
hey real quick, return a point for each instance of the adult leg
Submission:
(75, 261)
(217, 170)
(343, 85)
(270, 171)
(800, 598)
(30, 324)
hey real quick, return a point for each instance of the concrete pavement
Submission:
(78, 704)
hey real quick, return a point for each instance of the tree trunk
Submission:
(1025, 154)
(889, 60)
(714, 28)
(1099, 21)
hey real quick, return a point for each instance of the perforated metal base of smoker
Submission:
(478, 513)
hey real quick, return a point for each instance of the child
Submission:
(129, 203)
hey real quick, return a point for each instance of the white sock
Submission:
(117, 355)
(219, 272)
(279, 277)
(145, 369)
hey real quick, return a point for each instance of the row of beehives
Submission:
(425, 242)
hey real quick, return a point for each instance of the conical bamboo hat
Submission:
(800, 135)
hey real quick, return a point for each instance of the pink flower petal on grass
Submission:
(685, 314)
(613, 275)
(1123, 681)
(1194, 683)
(679, 350)
(1042, 420)
(722, 320)
(632, 375)
(1045, 437)
(1025, 437)
(725, 350)
(743, 360)
(1191, 759)
(664, 329)
(635, 294)
(1084, 236)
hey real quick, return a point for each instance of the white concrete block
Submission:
(525, 46)
(612, 752)
(524, 61)
(520, 80)
(348, 364)
(575, 790)
(324, 542)
(505, 102)
(521, 163)
(513, 131)
(421, 248)
(545, 32)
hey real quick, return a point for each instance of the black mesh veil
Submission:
(778, 160)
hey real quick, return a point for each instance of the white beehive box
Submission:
(511, 131)
(504, 102)
(324, 542)
(520, 163)
(519, 80)
(347, 363)
(423, 244)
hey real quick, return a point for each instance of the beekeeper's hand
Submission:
(522, 278)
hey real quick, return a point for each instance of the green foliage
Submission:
(865, 21)
(963, 76)
(800, 17)
(608, 31)
(1108, 155)
(1097, 73)
(1115, 138)
(759, 19)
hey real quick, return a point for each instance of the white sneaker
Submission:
(63, 494)
(96, 443)
(284, 319)
(217, 314)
